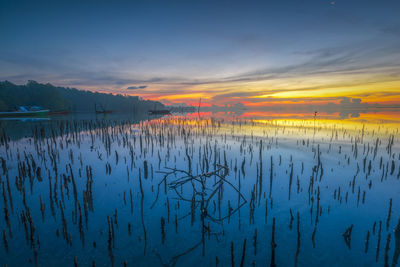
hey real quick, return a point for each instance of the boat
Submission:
(160, 112)
(22, 111)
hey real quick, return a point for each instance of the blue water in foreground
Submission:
(94, 191)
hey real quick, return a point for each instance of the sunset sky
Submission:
(254, 52)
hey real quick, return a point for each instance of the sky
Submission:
(260, 53)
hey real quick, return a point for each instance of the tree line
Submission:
(56, 98)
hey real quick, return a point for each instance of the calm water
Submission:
(200, 191)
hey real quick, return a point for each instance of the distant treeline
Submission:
(74, 100)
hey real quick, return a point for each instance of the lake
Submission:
(252, 189)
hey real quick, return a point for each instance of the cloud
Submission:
(327, 68)
(392, 29)
(136, 87)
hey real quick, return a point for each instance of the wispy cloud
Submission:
(136, 87)
(327, 68)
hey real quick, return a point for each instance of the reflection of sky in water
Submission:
(164, 143)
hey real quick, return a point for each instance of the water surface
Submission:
(201, 190)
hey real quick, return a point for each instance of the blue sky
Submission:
(216, 48)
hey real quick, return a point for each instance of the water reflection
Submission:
(191, 189)
(17, 128)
